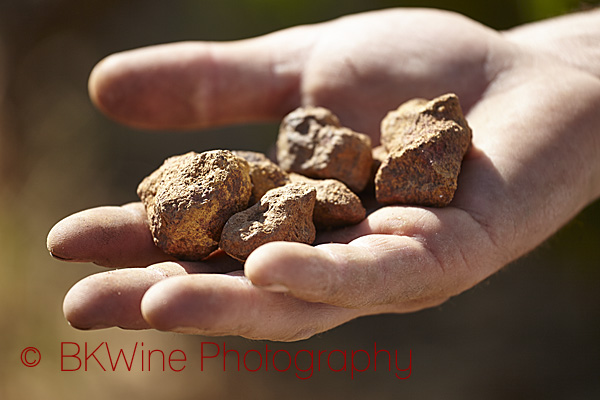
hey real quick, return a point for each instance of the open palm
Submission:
(535, 129)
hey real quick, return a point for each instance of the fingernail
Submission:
(90, 327)
(99, 326)
(275, 288)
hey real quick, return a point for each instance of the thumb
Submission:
(194, 85)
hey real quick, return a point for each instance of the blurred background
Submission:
(530, 331)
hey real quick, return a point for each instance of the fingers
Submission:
(352, 275)
(322, 287)
(230, 305)
(107, 236)
(113, 298)
(201, 84)
(411, 259)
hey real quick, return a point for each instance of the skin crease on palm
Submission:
(531, 96)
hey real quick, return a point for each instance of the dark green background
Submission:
(531, 331)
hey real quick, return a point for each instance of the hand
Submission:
(533, 165)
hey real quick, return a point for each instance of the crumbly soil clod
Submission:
(312, 142)
(336, 205)
(264, 173)
(282, 214)
(240, 200)
(190, 198)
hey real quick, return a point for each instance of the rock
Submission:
(282, 214)
(398, 127)
(336, 205)
(264, 173)
(146, 190)
(379, 154)
(190, 198)
(426, 142)
(312, 142)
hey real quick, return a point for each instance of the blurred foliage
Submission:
(539, 9)
(516, 336)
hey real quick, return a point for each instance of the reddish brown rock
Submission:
(398, 128)
(146, 190)
(379, 154)
(264, 173)
(426, 142)
(282, 214)
(190, 198)
(312, 142)
(336, 205)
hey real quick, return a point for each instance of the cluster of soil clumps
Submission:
(239, 200)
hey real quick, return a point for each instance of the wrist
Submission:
(572, 39)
